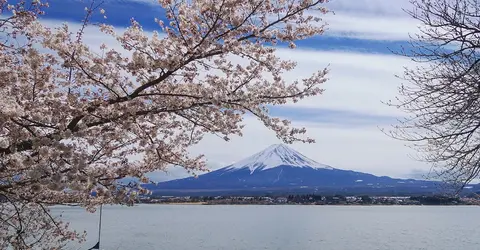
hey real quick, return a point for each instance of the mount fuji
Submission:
(273, 157)
(280, 168)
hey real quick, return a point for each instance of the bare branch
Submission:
(443, 96)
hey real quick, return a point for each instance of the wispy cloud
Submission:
(371, 19)
(371, 27)
(333, 118)
(359, 82)
(370, 7)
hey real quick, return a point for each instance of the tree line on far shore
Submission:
(316, 199)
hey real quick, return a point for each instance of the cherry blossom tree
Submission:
(75, 118)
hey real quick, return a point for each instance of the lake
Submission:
(250, 227)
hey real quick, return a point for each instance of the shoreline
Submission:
(343, 205)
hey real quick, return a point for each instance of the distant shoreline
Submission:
(292, 204)
(314, 200)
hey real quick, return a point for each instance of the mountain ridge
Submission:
(274, 156)
(282, 169)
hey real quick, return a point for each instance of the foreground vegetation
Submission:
(78, 117)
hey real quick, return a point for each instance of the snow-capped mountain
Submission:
(274, 156)
(280, 168)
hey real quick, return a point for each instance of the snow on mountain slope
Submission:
(274, 156)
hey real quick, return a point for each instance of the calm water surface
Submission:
(200, 227)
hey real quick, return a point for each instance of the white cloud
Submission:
(370, 7)
(371, 19)
(370, 27)
(358, 82)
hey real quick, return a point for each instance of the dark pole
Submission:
(100, 225)
(97, 246)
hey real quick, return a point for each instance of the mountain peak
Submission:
(274, 156)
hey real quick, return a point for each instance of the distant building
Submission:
(282, 200)
(352, 198)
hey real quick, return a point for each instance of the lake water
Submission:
(200, 227)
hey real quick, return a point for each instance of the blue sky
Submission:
(345, 120)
